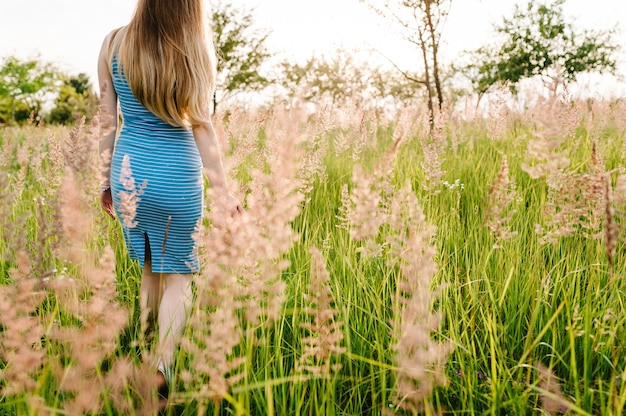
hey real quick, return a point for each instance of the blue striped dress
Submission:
(167, 160)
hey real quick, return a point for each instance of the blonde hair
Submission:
(168, 59)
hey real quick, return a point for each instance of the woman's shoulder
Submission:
(108, 39)
(104, 58)
(107, 43)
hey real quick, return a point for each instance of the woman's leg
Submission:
(150, 293)
(175, 305)
(151, 289)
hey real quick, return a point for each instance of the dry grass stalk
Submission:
(552, 399)
(124, 375)
(76, 151)
(575, 200)
(559, 114)
(420, 120)
(419, 357)
(343, 215)
(564, 210)
(342, 143)
(456, 133)
(88, 296)
(240, 286)
(313, 166)
(619, 196)
(324, 121)
(618, 113)
(594, 193)
(547, 159)
(23, 153)
(359, 142)
(130, 196)
(556, 119)
(499, 113)
(9, 231)
(21, 347)
(243, 139)
(364, 213)
(215, 332)
(618, 204)
(434, 150)
(42, 216)
(26, 262)
(86, 329)
(75, 224)
(53, 176)
(501, 197)
(611, 229)
(324, 339)
(364, 210)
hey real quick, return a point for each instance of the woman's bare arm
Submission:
(108, 111)
(108, 125)
(209, 148)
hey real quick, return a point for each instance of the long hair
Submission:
(168, 58)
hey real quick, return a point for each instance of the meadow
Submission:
(382, 267)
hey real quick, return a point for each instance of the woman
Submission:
(161, 69)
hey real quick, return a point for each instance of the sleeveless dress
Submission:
(166, 159)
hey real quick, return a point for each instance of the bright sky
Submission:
(69, 32)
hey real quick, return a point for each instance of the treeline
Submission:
(535, 41)
(28, 86)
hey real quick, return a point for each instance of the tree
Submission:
(420, 23)
(24, 84)
(389, 87)
(241, 52)
(75, 99)
(342, 78)
(335, 79)
(535, 41)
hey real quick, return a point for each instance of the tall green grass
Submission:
(509, 307)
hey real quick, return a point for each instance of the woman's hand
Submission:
(106, 201)
(229, 205)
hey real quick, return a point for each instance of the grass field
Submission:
(379, 269)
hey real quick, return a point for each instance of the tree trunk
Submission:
(424, 47)
(434, 48)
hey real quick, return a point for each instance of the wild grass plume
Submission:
(379, 268)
